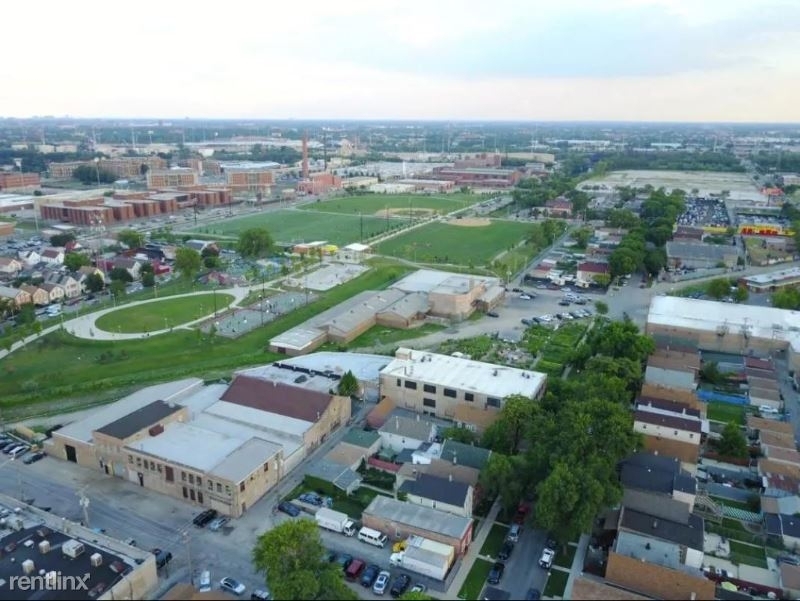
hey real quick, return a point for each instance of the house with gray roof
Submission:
(399, 432)
(465, 454)
(689, 535)
(341, 476)
(445, 494)
(698, 255)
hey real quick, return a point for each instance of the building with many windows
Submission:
(437, 385)
(172, 178)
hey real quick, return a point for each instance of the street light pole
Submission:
(97, 168)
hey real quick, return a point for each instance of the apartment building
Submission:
(172, 178)
(11, 180)
(250, 179)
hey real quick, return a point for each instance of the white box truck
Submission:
(335, 520)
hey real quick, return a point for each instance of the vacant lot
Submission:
(449, 243)
(294, 226)
(706, 182)
(163, 314)
(369, 204)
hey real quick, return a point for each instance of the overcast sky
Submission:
(648, 60)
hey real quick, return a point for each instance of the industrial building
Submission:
(477, 177)
(219, 446)
(724, 327)
(437, 385)
(59, 557)
(697, 255)
(770, 282)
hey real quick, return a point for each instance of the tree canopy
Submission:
(348, 385)
(506, 434)
(292, 559)
(187, 262)
(91, 174)
(130, 238)
(254, 242)
(120, 274)
(786, 298)
(74, 261)
(732, 443)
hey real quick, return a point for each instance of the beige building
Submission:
(437, 385)
(39, 296)
(54, 291)
(220, 447)
(250, 179)
(172, 178)
(724, 327)
(16, 295)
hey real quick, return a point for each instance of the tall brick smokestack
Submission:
(305, 155)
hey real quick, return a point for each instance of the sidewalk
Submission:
(472, 553)
(577, 565)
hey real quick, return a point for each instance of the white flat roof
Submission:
(365, 367)
(82, 430)
(297, 338)
(426, 280)
(775, 276)
(465, 374)
(208, 421)
(707, 316)
(204, 398)
(259, 419)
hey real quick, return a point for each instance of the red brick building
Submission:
(254, 179)
(319, 183)
(169, 178)
(484, 159)
(10, 180)
(558, 207)
(477, 177)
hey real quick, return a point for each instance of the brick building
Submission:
(11, 180)
(250, 179)
(319, 183)
(478, 177)
(483, 159)
(169, 178)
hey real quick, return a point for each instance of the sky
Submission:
(588, 60)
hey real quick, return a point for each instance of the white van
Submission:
(53, 310)
(373, 537)
(767, 409)
(205, 582)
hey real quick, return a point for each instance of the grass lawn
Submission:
(292, 226)
(556, 583)
(732, 524)
(748, 554)
(59, 367)
(725, 412)
(475, 580)
(447, 243)
(370, 204)
(169, 312)
(378, 335)
(730, 503)
(494, 541)
(564, 558)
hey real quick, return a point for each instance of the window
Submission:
(185, 493)
(468, 396)
(411, 385)
(429, 388)
(675, 432)
(191, 494)
(158, 467)
(200, 497)
(429, 402)
(398, 382)
(493, 402)
(219, 487)
(210, 486)
(241, 486)
(191, 478)
(450, 392)
(183, 476)
(130, 459)
(169, 474)
(138, 462)
(199, 481)
(691, 435)
(227, 490)
(152, 466)
(266, 466)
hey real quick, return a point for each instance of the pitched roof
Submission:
(416, 429)
(464, 454)
(583, 588)
(378, 415)
(437, 489)
(656, 505)
(790, 576)
(8, 292)
(760, 423)
(668, 421)
(361, 438)
(425, 518)
(656, 473)
(781, 454)
(593, 267)
(689, 534)
(277, 397)
(645, 402)
(139, 419)
(445, 469)
(790, 525)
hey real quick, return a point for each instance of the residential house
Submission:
(400, 433)
(55, 292)
(39, 296)
(341, 476)
(17, 296)
(659, 426)
(440, 469)
(357, 446)
(688, 535)
(132, 266)
(657, 581)
(558, 207)
(475, 419)
(697, 255)
(72, 289)
(790, 580)
(10, 266)
(587, 271)
(673, 372)
(444, 494)
(30, 257)
(459, 453)
(380, 413)
(658, 476)
(83, 274)
(53, 256)
(784, 528)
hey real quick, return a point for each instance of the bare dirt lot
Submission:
(706, 182)
(403, 212)
(470, 222)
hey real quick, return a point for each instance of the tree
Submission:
(655, 260)
(506, 433)
(742, 294)
(130, 238)
(90, 174)
(61, 239)
(117, 288)
(711, 374)
(95, 282)
(601, 307)
(786, 298)
(582, 237)
(26, 314)
(602, 279)
(148, 279)
(292, 557)
(732, 443)
(187, 262)
(254, 242)
(501, 476)
(459, 434)
(623, 261)
(120, 274)
(718, 288)
(348, 385)
(211, 262)
(620, 339)
(74, 261)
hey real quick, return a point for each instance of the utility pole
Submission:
(361, 216)
(84, 503)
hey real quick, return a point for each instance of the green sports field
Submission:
(371, 204)
(160, 315)
(459, 245)
(287, 226)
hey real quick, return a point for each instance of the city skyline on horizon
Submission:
(625, 61)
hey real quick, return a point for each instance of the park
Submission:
(163, 314)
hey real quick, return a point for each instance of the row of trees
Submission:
(565, 449)
(654, 226)
(91, 174)
(534, 192)
(672, 160)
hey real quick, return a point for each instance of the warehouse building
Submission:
(437, 385)
(724, 327)
(219, 446)
(398, 520)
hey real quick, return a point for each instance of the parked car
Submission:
(546, 560)
(232, 586)
(344, 560)
(505, 552)
(205, 582)
(496, 573)
(516, 290)
(513, 533)
(369, 575)
(580, 301)
(218, 523)
(564, 302)
(261, 595)
(492, 314)
(204, 518)
(353, 571)
(525, 296)
(19, 451)
(311, 498)
(527, 322)
(381, 582)
(400, 585)
(289, 508)
(790, 559)
(33, 457)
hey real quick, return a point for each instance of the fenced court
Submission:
(240, 321)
